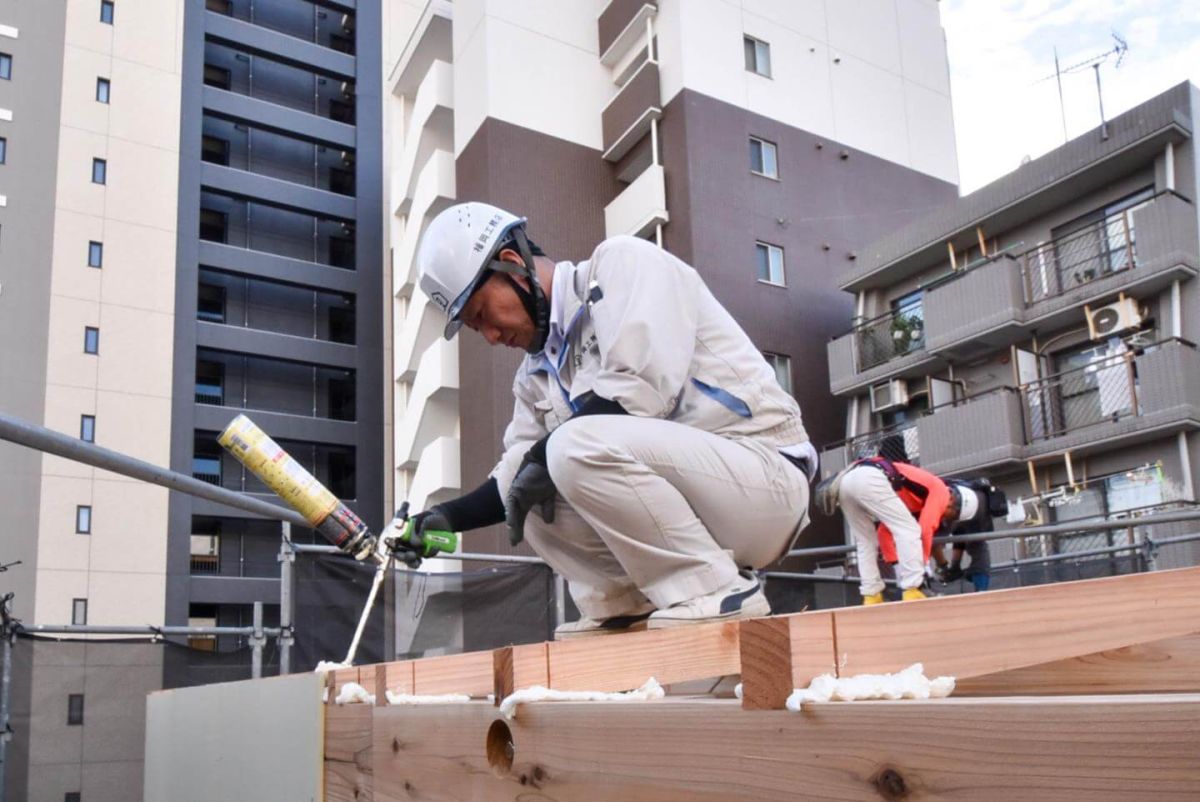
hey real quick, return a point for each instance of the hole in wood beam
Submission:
(500, 748)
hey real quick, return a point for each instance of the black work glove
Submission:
(531, 487)
(951, 573)
(433, 519)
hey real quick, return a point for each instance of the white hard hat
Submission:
(968, 502)
(455, 251)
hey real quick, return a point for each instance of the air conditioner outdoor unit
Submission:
(889, 395)
(1114, 318)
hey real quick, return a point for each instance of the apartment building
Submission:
(190, 228)
(277, 280)
(1040, 332)
(765, 143)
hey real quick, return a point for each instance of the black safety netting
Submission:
(418, 613)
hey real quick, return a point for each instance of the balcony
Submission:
(1123, 398)
(1139, 251)
(438, 475)
(429, 130)
(621, 25)
(432, 406)
(640, 207)
(435, 190)
(898, 442)
(889, 346)
(629, 114)
(983, 431)
(312, 22)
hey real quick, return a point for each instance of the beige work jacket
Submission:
(642, 329)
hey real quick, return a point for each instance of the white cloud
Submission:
(1006, 102)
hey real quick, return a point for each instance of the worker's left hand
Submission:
(531, 487)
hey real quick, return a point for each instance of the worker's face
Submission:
(496, 311)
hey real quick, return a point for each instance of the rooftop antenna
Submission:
(1119, 48)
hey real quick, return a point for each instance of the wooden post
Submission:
(517, 667)
(953, 258)
(982, 242)
(783, 653)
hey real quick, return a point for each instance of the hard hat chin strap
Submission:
(533, 298)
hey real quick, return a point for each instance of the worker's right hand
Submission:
(431, 520)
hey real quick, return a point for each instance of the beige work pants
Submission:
(866, 497)
(661, 511)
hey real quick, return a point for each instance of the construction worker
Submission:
(979, 565)
(649, 437)
(894, 508)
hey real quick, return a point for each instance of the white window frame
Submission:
(79, 611)
(764, 144)
(762, 52)
(775, 361)
(771, 250)
(83, 519)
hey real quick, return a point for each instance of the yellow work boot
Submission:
(874, 598)
(912, 594)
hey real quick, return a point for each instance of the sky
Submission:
(1006, 102)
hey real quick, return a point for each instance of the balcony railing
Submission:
(211, 478)
(1105, 247)
(889, 336)
(896, 442)
(205, 564)
(1104, 391)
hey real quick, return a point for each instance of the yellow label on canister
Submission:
(264, 458)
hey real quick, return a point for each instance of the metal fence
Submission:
(1104, 391)
(898, 442)
(891, 335)
(1097, 250)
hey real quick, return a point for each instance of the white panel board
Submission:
(260, 740)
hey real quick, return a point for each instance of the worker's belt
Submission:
(801, 463)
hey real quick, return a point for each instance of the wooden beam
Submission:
(783, 653)
(348, 753)
(624, 662)
(1115, 747)
(470, 673)
(398, 676)
(516, 667)
(982, 633)
(1165, 666)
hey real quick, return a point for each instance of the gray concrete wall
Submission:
(29, 181)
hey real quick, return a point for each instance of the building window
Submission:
(213, 225)
(758, 56)
(3, 150)
(214, 149)
(75, 709)
(106, 12)
(762, 158)
(219, 77)
(102, 90)
(782, 365)
(83, 519)
(95, 254)
(908, 323)
(6, 66)
(210, 303)
(220, 6)
(79, 611)
(99, 171)
(210, 382)
(72, 796)
(91, 340)
(770, 263)
(87, 428)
